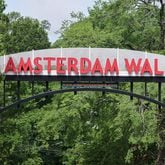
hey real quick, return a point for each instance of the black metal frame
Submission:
(81, 79)
(115, 91)
(84, 78)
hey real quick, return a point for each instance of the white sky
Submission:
(55, 11)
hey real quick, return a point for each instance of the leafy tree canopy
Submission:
(3, 27)
(132, 24)
(86, 128)
(25, 34)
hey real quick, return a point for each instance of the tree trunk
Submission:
(161, 153)
(162, 25)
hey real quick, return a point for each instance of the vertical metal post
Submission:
(103, 93)
(75, 92)
(47, 86)
(61, 85)
(18, 90)
(145, 89)
(118, 85)
(131, 90)
(18, 93)
(159, 93)
(32, 88)
(4, 93)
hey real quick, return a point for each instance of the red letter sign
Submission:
(72, 65)
(157, 71)
(60, 65)
(49, 59)
(112, 68)
(38, 68)
(85, 66)
(146, 67)
(97, 67)
(25, 66)
(10, 66)
(133, 66)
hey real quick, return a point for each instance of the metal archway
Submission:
(105, 90)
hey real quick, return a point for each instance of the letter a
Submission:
(146, 67)
(10, 66)
(97, 67)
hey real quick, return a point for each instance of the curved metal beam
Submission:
(116, 91)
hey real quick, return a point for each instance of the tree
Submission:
(45, 24)
(162, 24)
(3, 30)
(81, 34)
(22, 34)
(88, 128)
(25, 34)
(3, 27)
(131, 24)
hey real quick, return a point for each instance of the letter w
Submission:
(133, 66)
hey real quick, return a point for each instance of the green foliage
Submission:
(125, 24)
(3, 27)
(81, 34)
(2, 6)
(26, 34)
(86, 128)
(18, 34)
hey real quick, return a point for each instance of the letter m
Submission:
(25, 66)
